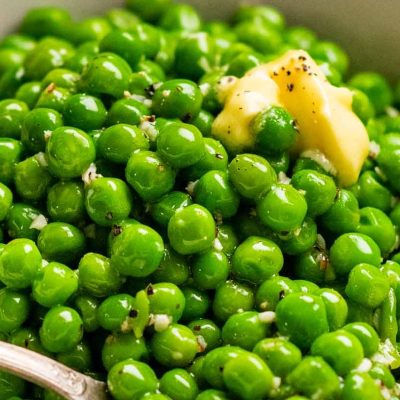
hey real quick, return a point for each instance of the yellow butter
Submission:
(323, 113)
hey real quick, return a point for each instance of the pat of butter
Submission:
(323, 113)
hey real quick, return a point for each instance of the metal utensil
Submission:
(50, 374)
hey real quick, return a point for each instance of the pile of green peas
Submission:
(136, 249)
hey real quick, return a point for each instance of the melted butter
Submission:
(323, 113)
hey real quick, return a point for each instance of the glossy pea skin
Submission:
(248, 376)
(179, 384)
(180, 17)
(130, 380)
(191, 230)
(54, 285)
(14, 310)
(174, 347)
(197, 303)
(27, 338)
(53, 97)
(10, 154)
(336, 307)
(12, 113)
(19, 219)
(282, 209)
(209, 331)
(20, 261)
(149, 175)
(6, 199)
(69, 152)
(177, 98)
(215, 192)
(306, 286)
(351, 249)
(127, 111)
(302, 317)
(137, 251)
(227, 239)
(243, 63)
(90, 29)
(118, 142)
(388, 160)
(87, 306)
(61, 329)
(61, 77)
(79, 358)
(360, 385)
(62, 242)
(29, 93)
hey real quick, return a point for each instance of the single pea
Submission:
(69, 152)
(149, 12)
(54, 285)
(11, 385)
(282, 209)
(230, 298)
(87, 307)
(227, 239)
(359, 313)
(37, 123)
(62, 242)
(121, 18)
(120, 346)
(314, 377)
(203, 122)
(336, 307)
(53, 97)
(261, 14)
(388, 160)
(362, 106)
(6, 200)
(90, 29)
(300, 37)
(14, 310)
(179, 384)
(61, 329)
(331, 53)
(61, 77)
(142, 83)
(83, 56)
(383, 373)
(32, 178)
(191, 230)
(306, 286)
(360, 385)
(302, 317)
(65, 202)
(12, 113)
(248, 376)
(272, 290)
(19, 221)
(27, 338)
(367, 285)
(130, 380)
(351, 249)
(11, 151)
(18, 41)
(180, 17)
(118, 142)
(149, 175)
(29, 93)
(127, 111)
(177, 98)
(197, 303)
(279, 354)
(174, 347)
(209, 332)
(106, 73)
(10, 81)
(242, 63)
(343, 216)
(79, 358)
(209, 85)
(20, 261)
(137, 251)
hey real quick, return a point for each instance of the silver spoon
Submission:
(49, 374)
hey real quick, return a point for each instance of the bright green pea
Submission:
(61, 77)
(209, 84)
(14, 309)
(27, 338)
(227, 239)
(87, 307)
(127, 111)
(331, 53)
(18, 41)
(336, 307)
(243, 63)
(29, 93)
(19, 221)
(12, 113)
(10, 154)
(383, 373)
(306, 286)
(388, 160)
(130, 380)
(90, 29)
(6, 199)
(209, 331)
(179, 384)
(180, 17)
(362, 106)
(10, 81)
(204, 122)
(359, 386)
(53, 97)
(261, 14)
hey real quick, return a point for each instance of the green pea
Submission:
(29, 93)
(83, 56)
(209, 332)
(179, 384)
(359, 313)
(14, 309)
(127, 111)
(18, 41)
(10, 81)
(300, 37)
(54, 285)
(87, 307)
(196, 369)
(387, 324)
(383, 373)
(141, 83)
(130, 380)
(261, 14)
(360, 385)
(243, 63)
(336, 307)
(227, 239)
(90, 29)
(388, 160)
(61, 242)
(230, 298)
(53, 97)
(27, 338)
(209, 85)
(149, 11)
(6, 200)
(248, 376)
(302, 317)
(279, 354)
(11, 385)
(79, 358)
(306, 286)
(331, 53)
(197, 303)
(10, 154)
(362, 106)
(12, 113)
(61, 77)
(351, 249)
(19, 221)
(204, 122)
(180, 17)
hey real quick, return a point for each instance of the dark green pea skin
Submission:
(367, 285)
(10, 81)
(230, 298)
(11, 385)
(351, 249)
(197, 303)
(314, 377)
(12, 113)
(343, 216)
(359, 313)
(279, 354)
(11, 151)
(248, 376)
(79, 358)
(27, 338)
(69, 152)
(149, 175)
(215, 192)
(32, 179)
(175, 340)
(148, 12)
(130, 379)
(209, 331)
(204, 122)
(61, 329)
(271, 291)
(90, 29)
(118, 142)
(120, 346)
(106, 74)
(378, 226)
(6, 200)
(87, 308)
(302, 317)
(227, 239)
(150, 37)
(35, 125)
(209, 85)
(336, 307)
(54, 285)
(243, 63)
(179, 384)
(29, 93)
(137, 251)
(53, 97)
(65, 202)
(282, 209)
(180, 17)
(61, 242)
(141, 83)
(19, 220)
(177, 98)
(265, 14)
(20, 261)
(127, 111)
(383, 373)
(163, 210)
(360, 385)
(312, 265)
(14, 310)
(61, 77)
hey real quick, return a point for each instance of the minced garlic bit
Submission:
(90, 174)
(38, 223)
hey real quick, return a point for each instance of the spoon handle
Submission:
(50, 374)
